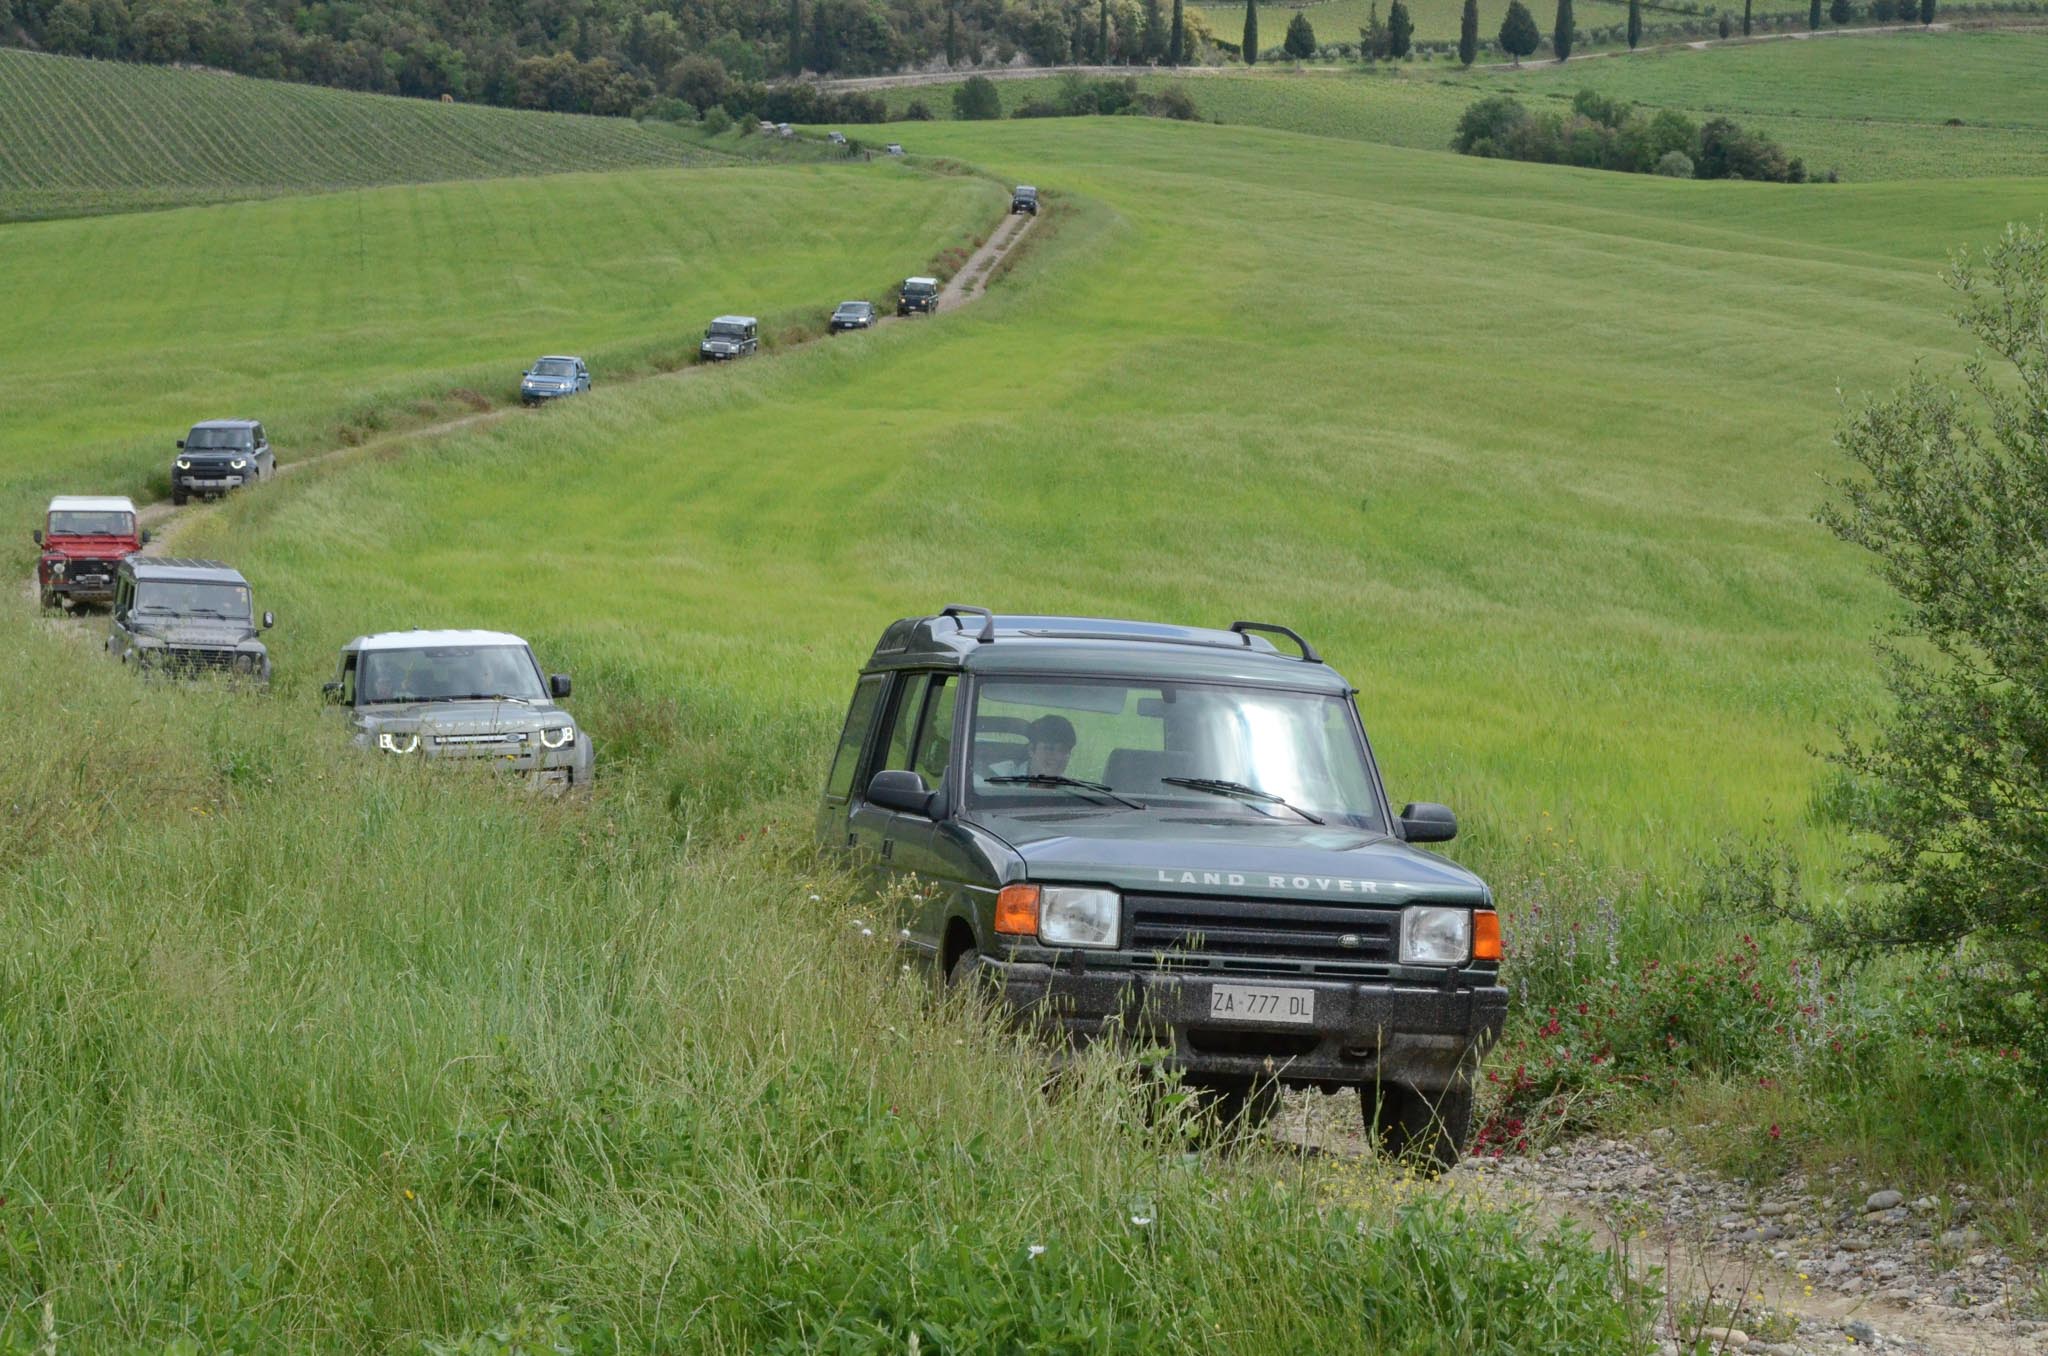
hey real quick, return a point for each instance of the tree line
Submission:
(1602, 133)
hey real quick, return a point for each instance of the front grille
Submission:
(94, 570)
(1260, 928)
(493, 739)
(192, 659)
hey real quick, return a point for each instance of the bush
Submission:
(1674, 165)
(917, 111)
(1036, 108)
(1727, 151)
(1488, 127)
(978, 100)
(1301, 37)
(717, 121)
(1172, 102)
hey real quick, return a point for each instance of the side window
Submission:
(935, 736)
(260, 439)
(860, 718)
(348, 680)
(903, 720)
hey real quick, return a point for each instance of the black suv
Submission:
(1025, 199)
(1179, 834)
(187, 619)
(220, 455)
(920, 295)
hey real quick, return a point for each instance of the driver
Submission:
(1051, 744)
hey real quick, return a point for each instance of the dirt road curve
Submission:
(966, 285)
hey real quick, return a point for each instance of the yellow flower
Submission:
(408, 1193)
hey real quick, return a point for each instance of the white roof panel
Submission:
(929, 282)
(91, 503)
(421, 640)
(735, 320)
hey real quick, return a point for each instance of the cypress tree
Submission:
(1813, 17)
(1178, 53)
(796, 37)
(1400, 31)
(1635, 22)
(1746, 6)
(1518, 35)
(1300, 42)
(1561, 35)
(1468, 33)
(1840, 12)
(952, 34)
(1102, 31)
(1926, 11)
(1251, 32)
(1154, 31)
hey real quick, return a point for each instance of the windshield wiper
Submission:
(491, 697)
(1076, 784)
(1216, 786)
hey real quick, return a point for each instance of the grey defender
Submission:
(1178, 836)
(219, 455)
(187, 619)
(730, 336)
(918, 296)
(552, 378)
(474, 697)
(1024, 199)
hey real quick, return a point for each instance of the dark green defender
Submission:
(1179, 834)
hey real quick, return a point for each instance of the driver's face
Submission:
(1048, 760)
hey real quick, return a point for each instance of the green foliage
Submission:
(977, 99)
(1562, 33)
(1177, 50)
(1249, 48)
(1950, 504)
(1635, 23)
(1673, 165)
(1605, 133)
(1300, 42)
(1926, 11)
(1812, 15)
(1840, 11)
(1400, 30)
(1728, 151)
(1518, 35)
(1468, 33)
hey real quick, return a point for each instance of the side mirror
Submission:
(1427, 822)
(270, 620)
(38, 535)
(146, 537)
(558, 685)
(181, 444)
(331, 693)
(899, 790)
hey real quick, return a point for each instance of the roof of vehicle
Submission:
(735, 320)
(424, 640)
(1026, 188)
(844, 304)
(557, 358)
(179, 567)
(91, 503)
(920, 282)
(226, 423)
(1024, 644)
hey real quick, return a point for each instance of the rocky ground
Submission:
(1790, 1268)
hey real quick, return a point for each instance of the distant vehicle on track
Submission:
(730, 336)
(917, 296)
(476, 698)
(187, 619)
(219, 455)
(83, 540)
(1118, 820)
(893, 148)
(854, 315)
(836, 138)
(1024, 199)
(553, 377)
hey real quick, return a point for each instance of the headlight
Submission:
(238, 463)
(184, 465)
(245, 663)
(1436, 936)
(1078, 917)
(558, 739)
(397, 743)
(57, 568)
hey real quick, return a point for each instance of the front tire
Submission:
(1431, 1130)
(178, 498)
(48, 598)
(1240, 1106)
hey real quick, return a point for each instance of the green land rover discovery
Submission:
(1179, 834)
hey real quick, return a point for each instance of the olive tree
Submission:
(1952, 504)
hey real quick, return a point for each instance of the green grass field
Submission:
(334, 315)
(81, 136)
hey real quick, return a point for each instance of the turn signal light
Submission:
(1017, 910)
(1485, 935)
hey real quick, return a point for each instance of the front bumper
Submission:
(565, 769)
(91, 588)
(1426, 1034)
(206, 482)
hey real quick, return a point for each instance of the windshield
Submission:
(448, 673)
(182, 598)
(919, 289)
(114, 524)
(554, 367)
(1131, 735)
(853, 307)
(218, 440)
(728, 331)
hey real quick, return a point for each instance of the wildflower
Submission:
(1774, 1132)
(1142, 1221)
(1035, 1250)
(408, 1194)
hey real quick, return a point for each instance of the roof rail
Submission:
(988, 619)
(1245, 629)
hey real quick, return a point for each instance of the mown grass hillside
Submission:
(80, 136)
(1955, 105)
(332, 316)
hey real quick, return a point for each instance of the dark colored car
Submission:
(220, 455)
(187, 619)
(1024, 199)
(1179, 835)
(730, 336)
(553, 377)
(917, 295)
(854, 315)
(83, 540)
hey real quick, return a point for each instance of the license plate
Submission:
(1261, 1003)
